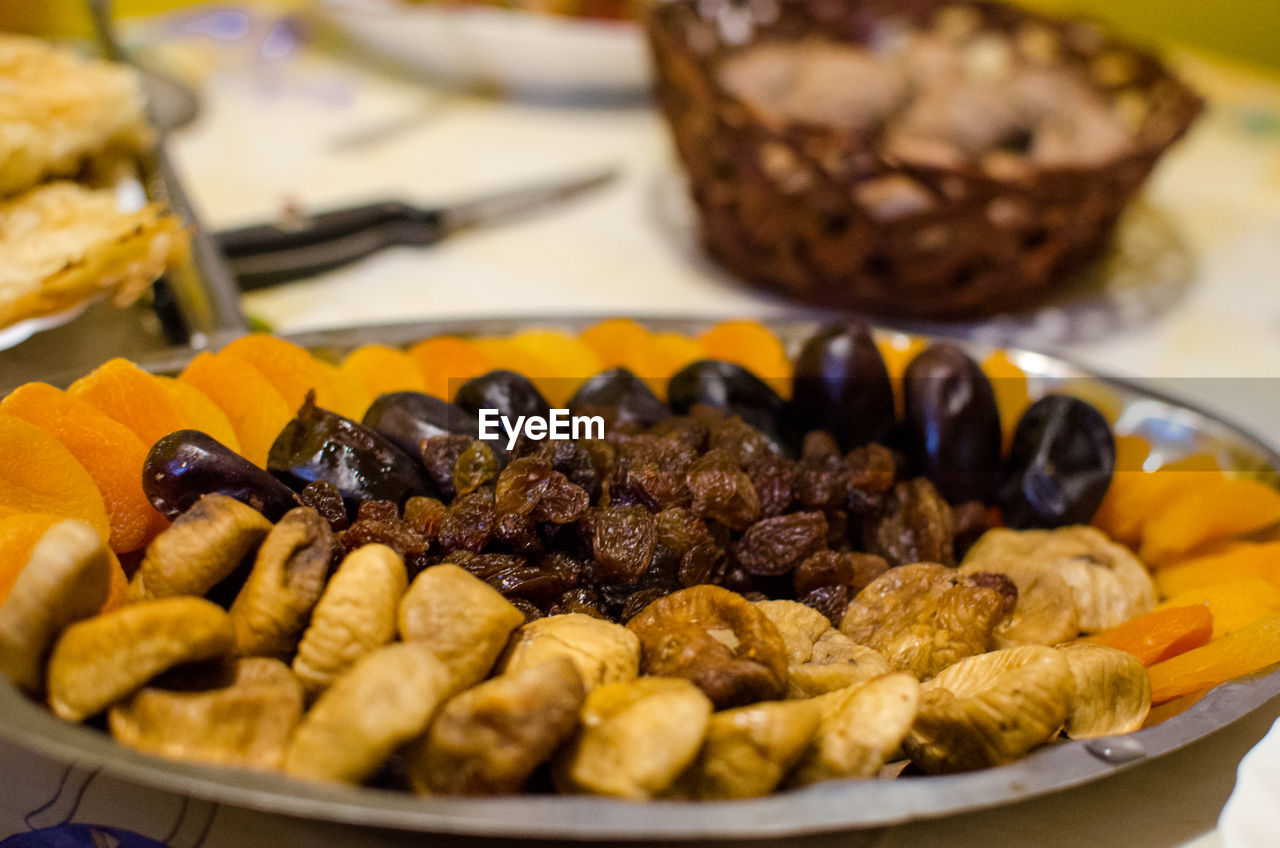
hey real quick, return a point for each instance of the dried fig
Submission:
(715, 638)
(200, 549)
(286, 582)
(923, 617)
(378, 704)
(1112, 693)
(859, 729)
(1109, 583)
(98, 661)
(601, 651)
(490, 738)
(991, 709)
(244, 720)
(1045, 611)
(749, 750)
(355, 615)
(464, 621)
(66, 578)
(634, 738)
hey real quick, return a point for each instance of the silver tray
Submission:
(1173, 427)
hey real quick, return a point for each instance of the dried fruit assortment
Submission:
(764, 572)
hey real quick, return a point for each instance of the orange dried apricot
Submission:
(667, 354)
(556, 362)
(446, 362)
(39, 474)
(1135, 496)
(1235, 604)
(1159, 634)
(381, 370)
(111, 453)
(753, 346)
(133, 397)
(1219, 509)
(294, 372)
(200, 412)
(619, 342)
(1243, 652)
(1247, 559)
(253, 406)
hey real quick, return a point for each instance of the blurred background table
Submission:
(292, 116)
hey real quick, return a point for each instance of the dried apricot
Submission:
(556, 362)
(1244, 560)
(1161, 633)
(753, 346)
(109, 451)
(253, 406)
(382, 370)
(1217, 510)
(38, 474)
(668, 353)
(1133, 498)
(1163, 712)
(1243, 652)
(618, 342)
(294, 372)
(200, 412)
(1009, 382)
(897, 352)
(133, 397)
(1235, 604)
(446, 362)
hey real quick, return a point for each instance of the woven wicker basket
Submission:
(783, 204)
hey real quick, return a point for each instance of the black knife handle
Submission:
(268, 254)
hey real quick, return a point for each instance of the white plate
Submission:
(519, 52)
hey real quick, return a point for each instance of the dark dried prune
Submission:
(468, 523)
(324, 498)
(829, 568)
(423, 515)
(831, 601)
(321, 445)
(774, 546)
(774, 479)
(474, 467)
(406, 418)
(622, 542)
(184, 465)
(1059, 466)
(841, 385)
(623, 396)
(951, 422)
(915, 526)
(512, 394)
(722, 491)
(729, 387)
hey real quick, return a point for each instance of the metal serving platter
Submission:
(1173, 427)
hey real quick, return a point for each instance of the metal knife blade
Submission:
(265, 255)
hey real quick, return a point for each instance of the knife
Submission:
(265, 255)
